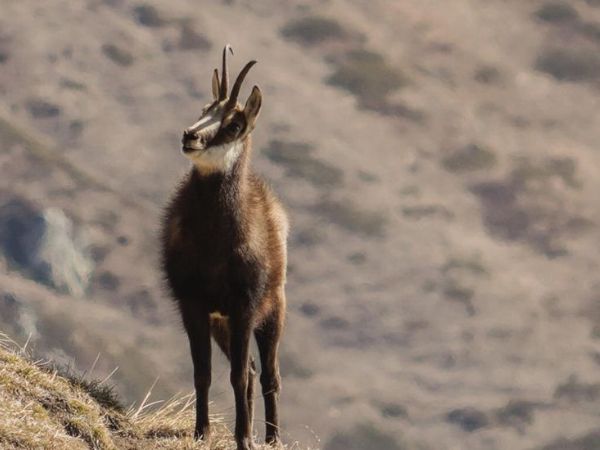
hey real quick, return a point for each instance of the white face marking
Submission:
(219, 158)
(205, 129)
(206, 123)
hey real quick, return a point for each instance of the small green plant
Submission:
(589, 441)
(291, 367)
(557, 12)
(367, 76)
(419, 212)
(367, 177)
(576, 391)
(297, 158)
(334, 323)
(469, 158)
(42, 109)
(469, 419)
(517, 413)
(393, 410)
(312, 30)
(310, 309)
(471, 265)
(118, 55)
(351, 218)
(357, 258)
(149, 16)
(456, 291)
(487, 75)
(307, 237)
(99, 252)
(108, 281)
(75, 85)
(527, 173)
(362, 437)
(190, 39)
(570, 64)
(591, 30)
(592, 312)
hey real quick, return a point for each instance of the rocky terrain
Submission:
(439, 161)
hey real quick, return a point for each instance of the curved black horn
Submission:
(224, 74)
(235, 91)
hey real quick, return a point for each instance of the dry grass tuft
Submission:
(313, 30)
(43, 410)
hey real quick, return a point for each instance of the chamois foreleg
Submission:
(267, 339)
(241, 330)
(220, 331)
(197, 326)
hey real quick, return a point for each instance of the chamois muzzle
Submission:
(189, 141)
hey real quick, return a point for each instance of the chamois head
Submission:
(215, 141)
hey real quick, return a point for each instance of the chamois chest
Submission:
(205, 258)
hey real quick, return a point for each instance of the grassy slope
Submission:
(42, 409)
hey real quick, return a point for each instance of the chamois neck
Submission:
(231, 163)
(226, 188)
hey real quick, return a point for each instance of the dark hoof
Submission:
(273, 441)
(202, 435)
(246, 444)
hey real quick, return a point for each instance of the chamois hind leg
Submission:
(197, 326)
(267, 339)
(220, 332)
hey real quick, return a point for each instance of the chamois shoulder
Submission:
(271, 207)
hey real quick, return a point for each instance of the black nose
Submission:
(188, 136)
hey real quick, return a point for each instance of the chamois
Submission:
(224, 257)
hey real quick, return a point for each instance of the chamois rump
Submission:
(224, 257)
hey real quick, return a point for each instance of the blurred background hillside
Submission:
(439, 162)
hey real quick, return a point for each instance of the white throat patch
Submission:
(220, 158)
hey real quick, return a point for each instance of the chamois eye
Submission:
(234, 127)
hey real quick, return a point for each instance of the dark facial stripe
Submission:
(229, 132)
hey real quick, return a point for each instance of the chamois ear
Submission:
(215, 84)
(253, 104)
